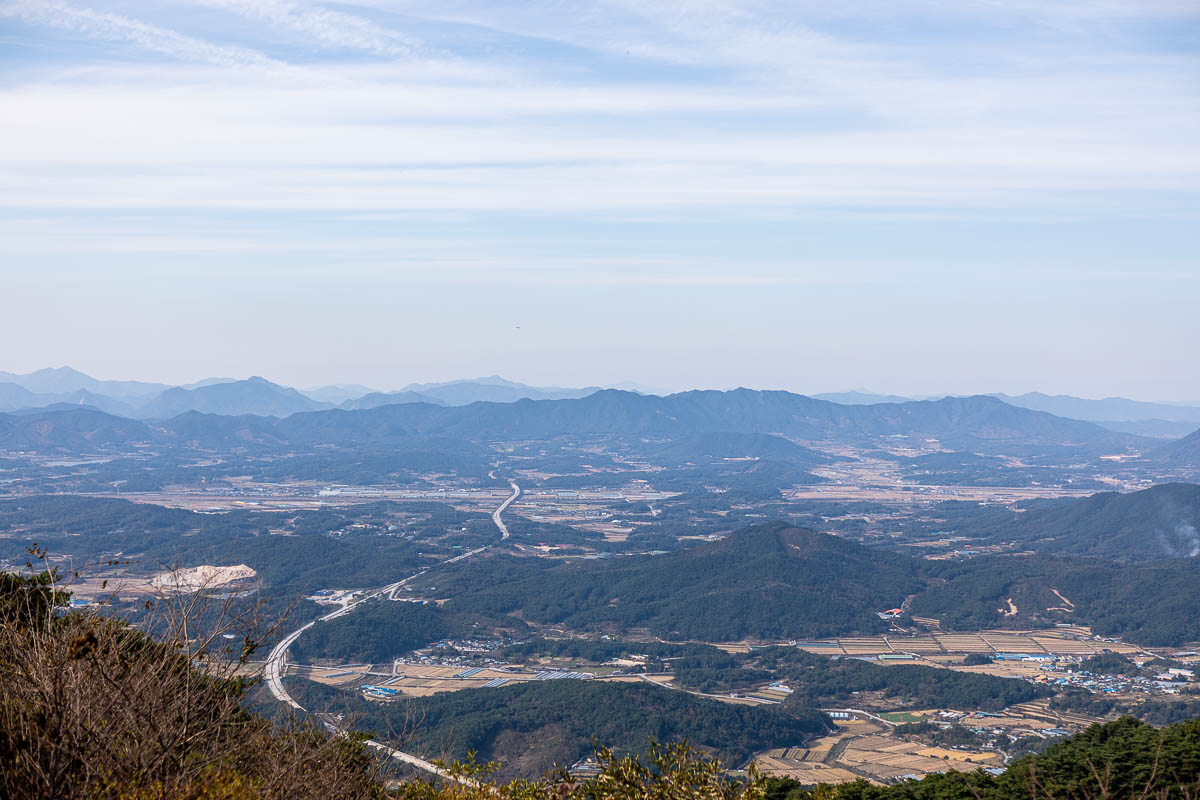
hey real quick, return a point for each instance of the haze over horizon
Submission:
(627, 385)
(974, 197)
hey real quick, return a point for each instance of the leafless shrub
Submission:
(93, 707)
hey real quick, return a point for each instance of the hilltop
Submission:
(64, 380)
(72, 430)
(255, 395)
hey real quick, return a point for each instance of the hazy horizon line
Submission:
(643, 387)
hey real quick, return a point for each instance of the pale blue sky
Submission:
(915, 196)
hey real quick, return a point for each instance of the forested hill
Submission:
(531, 727)
(974, 423)
(771, 581)
(1160, 522)
(1183, 453)
(774, 582)
(1150, 604)
(71, 430)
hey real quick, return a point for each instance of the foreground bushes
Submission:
(92, 708)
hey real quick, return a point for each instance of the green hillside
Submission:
(771, 581)
(531, 727)
(1160, 522)
(1148, 604)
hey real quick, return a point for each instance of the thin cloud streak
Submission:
(119, 28)
(330, 28)
(794, 116)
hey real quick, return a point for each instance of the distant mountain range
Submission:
(492, 389)
(861, 397)
(256, 395)
(975, 424)
(1164, 420)
(338, 393)
(251, 396)
(16, 398)
(377, 399)
(1161, 420)
(1109, 408)
(64, 380)
(64, 386)
(970, 423)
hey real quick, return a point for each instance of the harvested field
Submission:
(963, 643)
(1065, 647)
(1010, 643)
(865, 645)
(914, 644)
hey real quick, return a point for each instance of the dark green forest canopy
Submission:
(383, 629)
(1152, 604)
(533, 726)
(1156, 523)
(771, 582)
(767, 582)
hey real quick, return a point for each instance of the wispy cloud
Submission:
(119, 28)
(606, 106)
(330, 28)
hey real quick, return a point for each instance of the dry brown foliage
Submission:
(94, 708)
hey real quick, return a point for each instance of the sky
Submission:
(911, 196)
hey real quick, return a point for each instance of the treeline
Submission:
(1152, 710)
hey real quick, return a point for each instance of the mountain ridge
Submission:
(254, 395)
(976, 424)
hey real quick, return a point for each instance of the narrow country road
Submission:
(277, 660)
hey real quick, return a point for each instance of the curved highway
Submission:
(496, 514)
(277, 660)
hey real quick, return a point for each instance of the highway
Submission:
(277, 660)
(496, 514)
